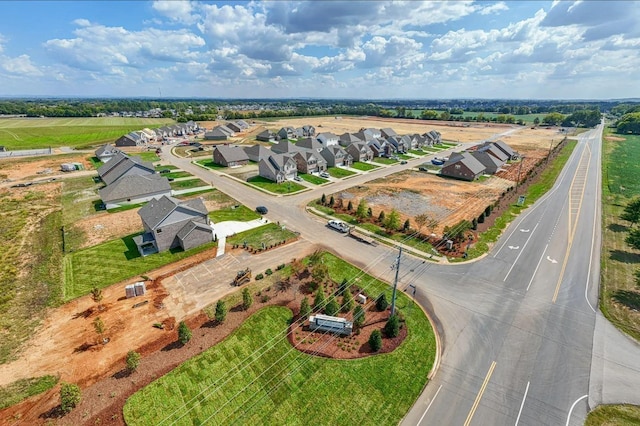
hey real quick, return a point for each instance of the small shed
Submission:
(332, 324)
(140, 288)
(130, 291)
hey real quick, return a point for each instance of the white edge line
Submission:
(522, 405)
(572, 407)
(593, 236)
(536, 270)
(521, 251)
(429, 406)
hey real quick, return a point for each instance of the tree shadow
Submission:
(630, 299)
(53, 413)
(237, 308)
(84, 314)
(171, 346)
(83, 347)
(624, 256)
(616, 227)
(122, 374)
(210, 324)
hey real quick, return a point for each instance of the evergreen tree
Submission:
(406, 226)
(184, 333)
(323, 200)
(221, 311)
(633, 238)
(350, 206)
(381, 302)
(381, 217)
(361, 211)
(375, 340)
(632, 212)
(358, 316)
(133, 360)
(247, 299)
(332, 201)
(70, 396)
(347, 301)
(305, 309)
(392, 327)
(332, 307)
(319, 299)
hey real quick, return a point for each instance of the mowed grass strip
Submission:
(339, 173)
(610, 415)
(241, 213)
(287, 187)
(20, 390)
(75, 132)
(209, 164)
(187, 184)
(240, 381)
(316, 180)
(114, 261)
(268, 234)
(620, 296)
(365, 167)
(383, 160)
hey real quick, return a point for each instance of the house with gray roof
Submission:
(122, 165)
(491, 163)
(257, 152)
(433, 137)
(134, 189)
(376, 147)
(310, 143)
(506, 149)
(266, 136)
(493, 150)
(130, 139)
(360, 151)
(278, 168)
(106, 152)
(309, 161)
(234, 126)
(170, 223)
(336, 156)
(290, 133)
(387, 132)
(284, 147)
(347, 139)
(230, 156)
(327, 139)
(308, 131)
(462, 166)
(217, 134)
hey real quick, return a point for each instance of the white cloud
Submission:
(20, 65)
(494, 8)
(176, 10)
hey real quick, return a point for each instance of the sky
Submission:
(321, 49)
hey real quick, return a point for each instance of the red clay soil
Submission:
(103, 400)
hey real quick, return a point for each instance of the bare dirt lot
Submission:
(27, 168)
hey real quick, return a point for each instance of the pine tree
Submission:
(332, 307)
(347, 301)
(184, 333)
(381, 302)
(323, 200)
(247, 299)
(133, 360)
(392, 327)
(70, 396)
(221, 311)
(305, 309)
(381, 217)
(358, 316)
(375, 340)
(319, 299)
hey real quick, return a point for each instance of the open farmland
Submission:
(29, 133)
(412, 193)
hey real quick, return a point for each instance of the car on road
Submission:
(403, 162)
(262, 210)
(324, 175)
(338, 225)
(297, 178)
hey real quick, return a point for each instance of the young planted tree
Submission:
(381, 302)
(305, 309)
(319, 299)
(133, 360)
(381, 217)
(96, 295)
(342, 287)
(369, 212)
(392, 222)
(221, 311)
(247, 299)
(392, 327)
(361, 211)
(358, 316)
(184, 333)
(347, 301)
(350, 206)
(70, 396)
(323, 200)
(320, 273)
(375, 340)
(98, 325)
(332, 201)
(332, 307)
(406, 226)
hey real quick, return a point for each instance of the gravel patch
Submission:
(409, 203)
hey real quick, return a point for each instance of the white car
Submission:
(338, 225)
(324, 175)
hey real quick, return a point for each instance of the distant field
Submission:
(26, 133)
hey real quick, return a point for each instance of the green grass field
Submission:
(286, 187)
(383, 160)
(148, 156)
(268, 234)
(29, 133)
(339, 173)
(279, 385)
(111, 262)
(365, 167)
(176, 175)
(241, 213)
(620, 184)
(20, 390)
(209, 164)
(316, 180)
(187, 184)
(614, 415)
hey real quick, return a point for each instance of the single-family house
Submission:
(134, 189)
(327, 139)
(336, 156)
(506, 149)
(234, 126)
(106, 152)
(287, 133)
(122, 165)
(347, 139)
(128, 140)
(266, 136)
(462, 166)
(230, 156)
(170, 223)
(310, 143)
(397, 143)
(371, 132)
(284, 147)
(278, 168)
(491, 163)
(217, 134)
(494, 151)
(387, 132)
(360, 151)
(257, 152)
(242, 124)
(309, 161)
(149, 134)
(375, 147)
(433, 137)
(308, 131)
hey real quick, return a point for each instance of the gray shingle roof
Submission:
(134, 186)
(468, 160)
(190, 226)
(156, 210)
(232, 153)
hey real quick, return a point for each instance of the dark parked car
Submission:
(163, 171)
(262, 210)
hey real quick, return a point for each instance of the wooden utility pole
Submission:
(395, 284)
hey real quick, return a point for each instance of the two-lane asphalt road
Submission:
(517, 327)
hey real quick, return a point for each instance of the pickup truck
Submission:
(338, 225)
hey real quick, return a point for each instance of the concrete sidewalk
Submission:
(231, 227)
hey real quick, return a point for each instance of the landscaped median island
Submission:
(255, 376)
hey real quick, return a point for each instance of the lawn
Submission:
(268, 234)
(383, 160)
(535, 191)
(20, 390)
(365, 167)
(241, 213)
(417, 152)
(176, 175)
(405, 157)
(209, 164)
(286, 187)
(23, 133)
(165, 167)
(111, 262)
(187, 184)
(255, 377)
(316, 180)
(610, 415)
(339, 173)
(79, 196)
(620, 184)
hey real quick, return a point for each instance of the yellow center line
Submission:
(573, 225)
(482, 389)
